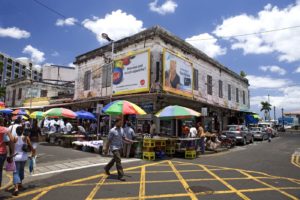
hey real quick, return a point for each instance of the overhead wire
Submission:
(199, 39)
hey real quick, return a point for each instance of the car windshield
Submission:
(255, 129)
(232, 128)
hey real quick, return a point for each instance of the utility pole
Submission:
(282, 118)
(269, 117)
(274, 112)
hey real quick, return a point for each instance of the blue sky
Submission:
(271, 60)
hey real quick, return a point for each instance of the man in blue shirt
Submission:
(115, 143)
(129, 134)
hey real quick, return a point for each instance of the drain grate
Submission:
(201, 189)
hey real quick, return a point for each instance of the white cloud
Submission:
(258, 82)
(274, 69)
(71, 65)
(285, 42)
(36, 55)
(117, 25)
(297, 70)
(66, 22)
(55, 54)
(14, 32)
(207, 43)
(289, 100)
(168, 7)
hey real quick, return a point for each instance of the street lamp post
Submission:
(106, 37)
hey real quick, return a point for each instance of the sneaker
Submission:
(16, 193)
(122, 179)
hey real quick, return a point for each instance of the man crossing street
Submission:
(116, 137)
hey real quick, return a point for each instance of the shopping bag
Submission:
(10, 166)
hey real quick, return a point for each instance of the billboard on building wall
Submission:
(131, 74)
(177, 74)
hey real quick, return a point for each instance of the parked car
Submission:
(239, 133)
(258, 133)
(265, 125)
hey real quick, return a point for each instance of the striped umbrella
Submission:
(37, 115)
(177, 112)
(21, 112)
(60, 113)
(122, 107)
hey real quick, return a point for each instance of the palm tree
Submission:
(266, 107)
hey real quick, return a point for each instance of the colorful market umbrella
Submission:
(122, 107)
(85, 115)
(177, 112)
(37, 115)
(60, 112)
(6, 111)
(2, 105)
(256, 116)
(19, 116)
(21, 112)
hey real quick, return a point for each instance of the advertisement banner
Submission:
(178, 75)
(131, 74)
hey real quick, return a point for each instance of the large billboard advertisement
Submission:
(178, 74)
(131, 74)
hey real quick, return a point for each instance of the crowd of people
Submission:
(67, 127)
(18, 143)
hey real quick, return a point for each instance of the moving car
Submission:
(239, 133)
(258, 133)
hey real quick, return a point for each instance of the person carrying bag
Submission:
(22, 148)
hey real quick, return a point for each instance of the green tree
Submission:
(266, 107)
(243, 74)
(1, 67)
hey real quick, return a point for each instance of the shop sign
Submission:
(147, 107)
(204, 112)
(178, 74)
(131, 74)
(99, 108)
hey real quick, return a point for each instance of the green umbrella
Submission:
(37, 115)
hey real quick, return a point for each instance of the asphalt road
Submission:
(259, 171)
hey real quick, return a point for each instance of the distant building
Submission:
(11, 69)
(54, 73)
(295, 116)
(24, 92)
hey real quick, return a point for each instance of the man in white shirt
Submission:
(193, 132)
(68, 127)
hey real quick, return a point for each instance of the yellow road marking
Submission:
(40, 195)
(268, 185)
(78, 181)
(295, 160)
(96, 188)
(183, 182)
(10, 181)
(142, 183)
(225, 183)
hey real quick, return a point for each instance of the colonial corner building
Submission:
(154, 69)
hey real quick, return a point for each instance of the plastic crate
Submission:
(190, 154)
(149, 155)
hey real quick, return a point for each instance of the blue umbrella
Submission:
(85, 115)
(6, 111)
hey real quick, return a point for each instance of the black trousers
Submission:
(116, 159)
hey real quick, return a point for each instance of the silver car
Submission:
(258, 133)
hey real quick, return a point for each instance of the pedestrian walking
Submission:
(5, 137)
(201, 134)
(115, 143)
(269, 132)
(22, 148)
(129, 134)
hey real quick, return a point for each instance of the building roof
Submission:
(164, 35)
(292, 113)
